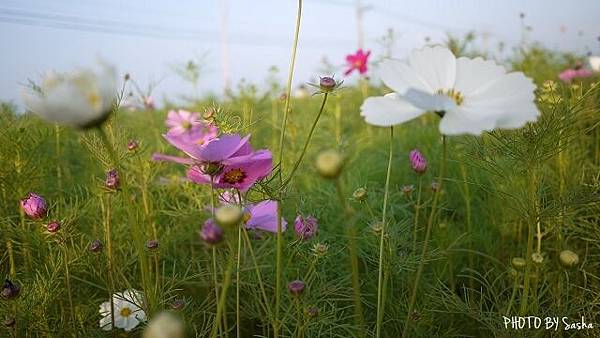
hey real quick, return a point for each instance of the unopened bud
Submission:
(95, 246)
(229, 215)
(329, 164)
(53, 227)
(10, 290)
(518, 263)
(296, 287)
(360, 194)
(568, 258)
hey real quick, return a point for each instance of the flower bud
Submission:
(296, 287)
(417, 161)
(329, 164)
(320, 249)
(568, 258)
(518, 263)
(164, 325)
(132, 145)
(376, 227)
(152, 244)
(9, 322)
(360, 194)
(408, 189)
(537, 258)
(211, 233)
(53, 227)
(435, 186)
(312, 312)
(10, 290)
(229, 215)
(95, 246)
(305, 227)
(327, 84)
(112, 179)
(127, 77)
(34, 206)
(178, 304)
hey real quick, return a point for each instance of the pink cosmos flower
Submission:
(182, 121)
(236, 172)
(149, 103)
(357, 62)
(263, 216)
(569, 75)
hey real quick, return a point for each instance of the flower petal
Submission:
(473, 75)
(429, 102)
(400, 77)
(435, 65)
(389, 110)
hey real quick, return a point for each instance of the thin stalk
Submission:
(214, 248)
(68, 285)
(434, 203)
(353, 251)
(11, 258)
(512, 296)
(380, 286)
(258, 275)
(534, 219)
(222, 298)
(467, 196)
(279, 255)
(106, 211)
(299, 323)
(417, 212)
(237, 282)
(307, 142)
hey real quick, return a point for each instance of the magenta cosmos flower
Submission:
(417, 161)
(182, 121)
(569, 75)
(263, 216)
(305, 227)
(357, 62)
(34, 206)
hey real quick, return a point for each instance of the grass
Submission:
(496, 191)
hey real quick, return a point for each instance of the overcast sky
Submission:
(147, 38)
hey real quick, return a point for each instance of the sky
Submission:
(149, 38)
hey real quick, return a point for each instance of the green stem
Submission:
(279, 255)
(68, 285)
(434, 203)
(237, 282)
(380, 286)
(106, 211)
(222, 298)
(108, 145)
(467, 195)
(308, 139)
(416, 220)
(534, 220)
(258, 275)
(352, 248)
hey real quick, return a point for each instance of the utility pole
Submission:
(225, 46)
(360, 11)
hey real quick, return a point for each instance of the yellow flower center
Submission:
(246, 217)
(94, 99)
(234, 176)
(126, 312)
(453, 94)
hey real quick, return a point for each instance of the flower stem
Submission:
(380, 286)
(467, 196)
(352, 248)
(416, 217)
(237, 282)
(214, 248)
(307, 143)
(106, 211)
(279, 254)
(68, 285)
(258, 275)
(108, 145)
(532, 192)
(222, 297)
(434, 203)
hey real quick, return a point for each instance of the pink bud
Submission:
(53, 227)
(34, 206)
(211, 233)
(305, 228)
(418, 161)
(112, 179)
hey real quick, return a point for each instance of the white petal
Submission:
(389, 110)
(476, 74)
(436, 66)
(130, 323)
(594, 62)
(429, 102)
(457, 122)
(400, 77)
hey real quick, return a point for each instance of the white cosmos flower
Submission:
(80, 99)
(127, 311)
(472, 95)
(594, 62)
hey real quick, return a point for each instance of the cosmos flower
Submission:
(305, 227)
(182, 121)
(235, 172)
(471, 95)
(203, 148)
(34, 206)
(569, 75)
(127, 311)
(263, 216)
(357, 62)
(81, 99)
